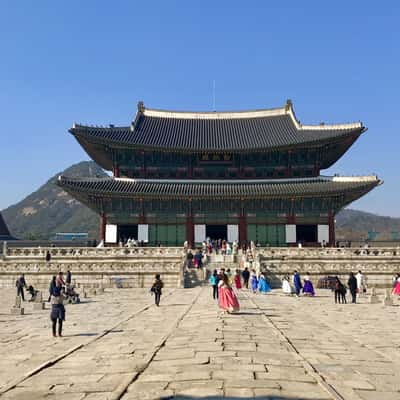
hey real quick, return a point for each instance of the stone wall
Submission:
(377, 264)
(92, 267)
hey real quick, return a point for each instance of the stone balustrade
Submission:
(92, 252)
(377, 264)
(90, 267)
(326, 252)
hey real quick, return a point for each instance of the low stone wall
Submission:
(377, 264)
(92, 268)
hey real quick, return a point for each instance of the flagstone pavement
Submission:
(119, 345)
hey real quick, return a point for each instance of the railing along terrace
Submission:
(326, 252)
(93, 252)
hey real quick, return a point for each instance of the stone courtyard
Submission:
(118, 345)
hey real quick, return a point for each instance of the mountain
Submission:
(354, 224)
(50, 210)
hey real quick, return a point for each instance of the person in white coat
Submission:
(360, 283)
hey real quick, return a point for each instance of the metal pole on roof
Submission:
(213, 107)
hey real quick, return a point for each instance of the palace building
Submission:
(246, 176)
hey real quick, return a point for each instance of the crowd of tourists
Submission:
(224, 281)
(60, 290)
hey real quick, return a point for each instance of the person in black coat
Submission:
(352, 283)
(246, 277)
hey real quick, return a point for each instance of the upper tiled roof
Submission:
(220, 131)
(320, 186)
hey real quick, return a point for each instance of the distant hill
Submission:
(49, 209)
(354, 224)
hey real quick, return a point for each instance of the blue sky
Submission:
(91, 61)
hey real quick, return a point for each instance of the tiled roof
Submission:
(320, 186)
(4, 232)
(222, 131)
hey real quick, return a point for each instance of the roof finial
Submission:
(140, 106)
(288, 105)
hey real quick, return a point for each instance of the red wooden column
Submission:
(242, 225)
(142, 218)
(190, 226)
(116, 171)
(102, 230)
(331, 224)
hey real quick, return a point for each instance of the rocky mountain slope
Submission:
(49, 209)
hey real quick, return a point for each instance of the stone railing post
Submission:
(4, 256)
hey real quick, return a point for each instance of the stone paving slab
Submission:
(276, 347)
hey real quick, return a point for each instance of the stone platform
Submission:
(118, 345)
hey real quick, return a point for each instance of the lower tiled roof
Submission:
(320, 186)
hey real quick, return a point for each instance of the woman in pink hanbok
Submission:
(227, 298)
(396, 289)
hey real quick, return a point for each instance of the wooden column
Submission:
(331, 224)
(242, 225)
(102, 230)
(142, 219)
(190, 226)
(116, 171)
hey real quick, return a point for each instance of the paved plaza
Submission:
(118, 345)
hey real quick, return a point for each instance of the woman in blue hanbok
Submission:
(263, 286)
(253, 281)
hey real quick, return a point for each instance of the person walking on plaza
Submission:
(263, 285)
(238, 282)
(360, 283)
(352, 284)
(286, 288)
(20, 285)
(52, 287)
(68, 278)
(297, 283)
(396, 289)
(60, 280)
(308, 289)
(246, 277)
(157, 289)
(340, 292)
(57, 313)
(227, 298)
(254, 281)
(214, 278)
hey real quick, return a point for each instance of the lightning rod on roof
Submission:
(213, 105)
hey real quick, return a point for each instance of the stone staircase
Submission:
(218, 261)
(193, 277)
(198, 277)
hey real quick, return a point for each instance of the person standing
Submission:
(57, 313)
(48, 256)
(214, 283)
(286, 288)
(227, 298)
(308, 289)
(353, 285)
(238, 282)
(360, 283)
(396, 289)
(297, 283)
(254, 281)
(20, 285)
(68, 278)
(52, 287)
(263, 285)
(246, 277)
(59, 280)
(157, 289)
